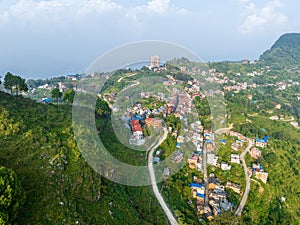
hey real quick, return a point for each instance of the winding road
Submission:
(247, 190)
(157, 194)
(149, 153)
(242, 157)
(130, 75)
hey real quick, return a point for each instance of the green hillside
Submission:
(285, 51)
(36, 141)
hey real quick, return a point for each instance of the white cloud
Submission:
(255, 18)
(160, 7)
(61, 13)
(98, 6)
(54, 10)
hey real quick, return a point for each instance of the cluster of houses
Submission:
(196, 159)
(63, 84)
(200, 138)
(178, 103)
(216, 198)
(257, 170)
(136, 117)
(234, 85)
(69, 81)
(293, 123)
(183, 104)
(212, 158)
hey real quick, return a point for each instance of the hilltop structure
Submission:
(155, 61)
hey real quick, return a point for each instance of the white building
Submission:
(212, 159)
(225, 166)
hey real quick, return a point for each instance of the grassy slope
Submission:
(283, 172)
(61, 188)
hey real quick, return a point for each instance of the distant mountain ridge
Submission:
(285, 51)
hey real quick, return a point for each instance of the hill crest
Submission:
(284, 52)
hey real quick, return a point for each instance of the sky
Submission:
(58, 37)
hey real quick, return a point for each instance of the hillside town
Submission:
(210, 194)
(210, 197)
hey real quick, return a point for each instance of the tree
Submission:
(14, 83)
(8, 82)
(271, 158)
(278, 213)
(227, 218)
(68, 96)
(22, 84)
(102, 108)
(12, 196)
(56, 94)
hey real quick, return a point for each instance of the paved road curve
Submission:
(242, 157)
(247, 190)
(157, 194)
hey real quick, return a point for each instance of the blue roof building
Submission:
(266, 138)
(200, 195)
(195, 185)
(46, 100)
(136, 117)
(260, 140)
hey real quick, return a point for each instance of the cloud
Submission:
(54, 10)
(159, 7)
(98, 6)
(255, 18)
(40, 15)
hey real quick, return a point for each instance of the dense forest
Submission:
(36, 142)
(285, 51)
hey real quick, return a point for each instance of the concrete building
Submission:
(235, 187)
(255, 153)
(263, 176)
(225, 166)
(212, 159)
(262, 143)
(155, 61)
